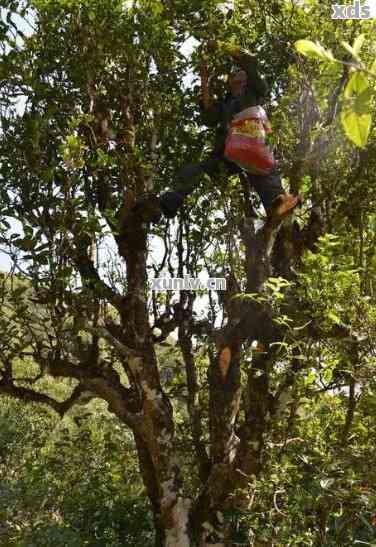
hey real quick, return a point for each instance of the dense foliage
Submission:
(254, 421)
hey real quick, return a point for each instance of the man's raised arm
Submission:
(247, 61)
(211, 111)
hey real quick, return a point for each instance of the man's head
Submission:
(238, 82)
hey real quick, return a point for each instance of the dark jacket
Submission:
(221, 112)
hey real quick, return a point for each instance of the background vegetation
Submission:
(108, 423)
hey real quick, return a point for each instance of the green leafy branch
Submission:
(356, 117)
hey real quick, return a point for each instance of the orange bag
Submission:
(245, 143)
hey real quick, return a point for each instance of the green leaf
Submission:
(314, 50)
(334, 318)
(358, 43)
(373, 67)
(349, 49)
(357, 46)
(362, 102)
(328, 375)
(356, 117)
(310, 378)
(356, 126)
(356, 85)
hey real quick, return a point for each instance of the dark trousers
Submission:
(268, 187)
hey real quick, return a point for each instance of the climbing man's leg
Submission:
(187, 180)
(273, 197)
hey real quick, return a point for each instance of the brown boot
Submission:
(283, 205)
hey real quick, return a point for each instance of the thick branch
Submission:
(31, 396)
(333, 103)
(122, 349)
(89, 274)
(102, 381)
(194, 410)
(350, 411)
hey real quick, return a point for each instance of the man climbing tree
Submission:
(246, 89)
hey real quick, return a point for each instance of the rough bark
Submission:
(236, 448)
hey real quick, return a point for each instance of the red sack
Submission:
(245, 143)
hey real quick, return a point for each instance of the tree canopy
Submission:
(249, 412)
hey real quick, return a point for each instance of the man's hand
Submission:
(227, 48)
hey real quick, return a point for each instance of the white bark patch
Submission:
(233, 445)
(178, 535)
(234, 411)
(165, 437)
(169, 493)
(151, 394)
(209, 529)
